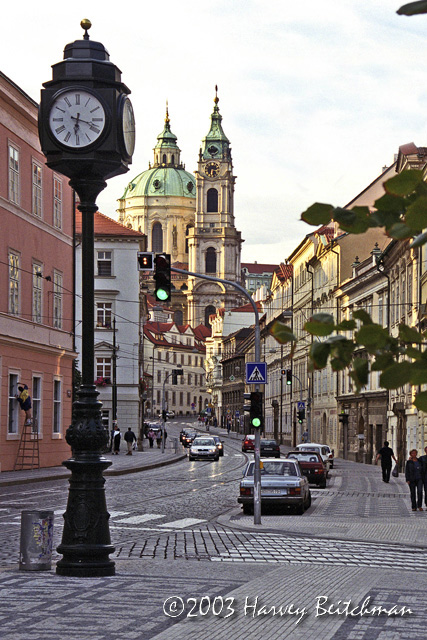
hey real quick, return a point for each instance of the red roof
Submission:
(202, 332)
(255, 267)
(284, 271)
(105, 226)
(248, 307)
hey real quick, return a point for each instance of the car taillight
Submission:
(295, 491)
(330, 455)
(245, 491)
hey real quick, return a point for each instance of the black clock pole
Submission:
(88, 162)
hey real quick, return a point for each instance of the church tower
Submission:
(214, 244)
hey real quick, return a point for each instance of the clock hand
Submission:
(80, 120)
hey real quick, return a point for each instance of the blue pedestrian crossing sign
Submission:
(300, 406)
(256, 373)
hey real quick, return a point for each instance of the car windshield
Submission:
(217, 439)
(203, 442)
(274, 469)
(305, 457)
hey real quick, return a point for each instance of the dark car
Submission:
(311, 465)
(248, 443)
(189, 437)
(269, 449)
(219, 445)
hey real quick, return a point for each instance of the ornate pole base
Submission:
(86, 541)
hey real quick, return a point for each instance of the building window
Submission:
(210, 260)
(409, 289)
(13, 283)
(158, 396)
(57, 203)
(104, 263)
(380, 310)
(208, 312)
(181, 398)
(188, 399)
(187, 231)
(189, 379)
(159, 375)
(37, 293)
(212, 201)
(103, 369)
(103, 314)
(57, 300)
(57, 406)
(173, 397)
(13, 174)
(36, 403)
(105, 417)
(159, 356)
(37, 190)
(13, 421)
(178, 317)
(157, 238)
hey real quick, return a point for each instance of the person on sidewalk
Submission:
(159, 438)
(130, 438)
(386, 454)
(413, 478)
(166, 435)
(117, 438)
(423, 461)
(24, 400)
(151, 436)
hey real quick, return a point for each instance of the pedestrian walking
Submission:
(165, 436)
(159, 438)
(413, 478)
(423, 461)
(24, 400)
(386, 454)
(117, 438)
(304, 436)
(130, 438)
(151, 435)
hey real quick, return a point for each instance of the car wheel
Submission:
(190, 459)
(308, 501)
(221, 454)
(322, 485)
(216, 458)
(299, 509)
(247, 510)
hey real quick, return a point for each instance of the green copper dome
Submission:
(167, 176)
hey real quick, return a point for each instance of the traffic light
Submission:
(288, 376)
(164, 415)
(145, 260)
(255, 416)
(162, 277)
(343, 417)
(301, 415)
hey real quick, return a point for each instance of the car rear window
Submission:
(308, 456)
(274, 469)
(268, 442)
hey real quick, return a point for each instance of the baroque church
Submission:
(191, 217)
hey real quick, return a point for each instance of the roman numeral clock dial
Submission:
(76, 118)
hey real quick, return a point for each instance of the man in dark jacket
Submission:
(130, 438)
(423, 462)
(413, 478)
(386, 454)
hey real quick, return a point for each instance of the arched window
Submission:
(178, 317)
(173, 159)
(208, 312)
(212, 204)
(157, 238)
(187, 229)
(210, 260)
(164, 158)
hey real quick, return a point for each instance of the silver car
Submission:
(203, 448)
(282, 484)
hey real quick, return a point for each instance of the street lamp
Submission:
(87, 133)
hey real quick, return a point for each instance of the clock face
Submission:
(77, 118)
(212, 169)
(128, 124)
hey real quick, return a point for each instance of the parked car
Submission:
(311, 465)
(220, 445)
(282, 484)
(331, 456)
(189, 437)
(170, 414)
(248, 443)
(203, 448)
(317, 448)
(269, 448)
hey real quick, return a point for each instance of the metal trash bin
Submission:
(36, 540)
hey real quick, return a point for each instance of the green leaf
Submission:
(400, 231)
(419, 241)
(409, 334)
(418, 372)
(318, 214)
(320, 324)
(282, 332)
(404, 183)
(341, 353)
(360, 373)
(384, 218)
(416, 214)
(390, 204)
(363, 316)
(396, 376)
(355, 221)
(414, 353)
(413, 8)
(382, 361)
(319, 353)
(346, 325)
(372, 335)
(421, 401)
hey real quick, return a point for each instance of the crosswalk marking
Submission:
(145, 517)
(180, 524)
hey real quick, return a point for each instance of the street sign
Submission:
(300, 406)
(237, 414)
(193, 406)
(256, 373)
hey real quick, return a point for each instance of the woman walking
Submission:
(414, 480)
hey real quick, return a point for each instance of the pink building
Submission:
(36, 285)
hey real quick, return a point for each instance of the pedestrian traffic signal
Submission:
(256, 412)
(162, 277)
(145, 260)
(288, 376)
(301, 415)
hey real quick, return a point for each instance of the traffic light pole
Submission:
(257, 470)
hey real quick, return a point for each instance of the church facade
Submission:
(191, 217)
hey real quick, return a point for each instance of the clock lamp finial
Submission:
(86, 25)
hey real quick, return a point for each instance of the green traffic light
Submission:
(161, 294)
(256, 422)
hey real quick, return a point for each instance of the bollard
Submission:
(36, 540)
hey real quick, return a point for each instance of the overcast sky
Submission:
(316, 95)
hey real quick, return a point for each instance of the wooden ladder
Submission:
(28, 456)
